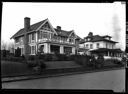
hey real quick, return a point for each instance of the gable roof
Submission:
(32, 28)
(97, 38)
(36, 26)
(63, 32)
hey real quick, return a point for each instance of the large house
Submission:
(43, 37)
(96, 44)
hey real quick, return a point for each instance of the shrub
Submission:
(31, 57)
(18, 52)
(54, 57)
(46, 57)
(80, 59)
(31, 64)
(42, 64)
(13, 59)
(62, 57)
(4, 53)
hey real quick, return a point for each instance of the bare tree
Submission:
(11, 46)
(3, 45)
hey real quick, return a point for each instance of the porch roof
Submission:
(106, 50)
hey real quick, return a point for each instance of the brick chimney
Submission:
(58, 27)
(90, 34)
(27, 23)
(26, 28)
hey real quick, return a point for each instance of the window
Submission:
(98, 45)
(22, 51)
(44, 35)
(39, 35)
(32, 49)
(106, 45)
(86, 45)
(17, 40)
(70, 40)
(91, 46)
(88, 39)
(112, 46)
(32, 36)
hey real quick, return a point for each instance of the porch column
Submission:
(61, 49)
(73, 50)
(45, 47)
(36, 49)
(49, 48)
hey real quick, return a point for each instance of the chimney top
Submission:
(58, 27)
(27, 23)
(27, 18)
(90, 34)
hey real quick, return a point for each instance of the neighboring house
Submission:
(43, 37)
(101, 45)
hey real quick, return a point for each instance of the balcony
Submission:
(55, 41)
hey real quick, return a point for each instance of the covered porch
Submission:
(56, 48)
(108, 53)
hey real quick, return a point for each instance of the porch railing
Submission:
(55, 40)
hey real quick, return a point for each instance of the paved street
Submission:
(114, 79)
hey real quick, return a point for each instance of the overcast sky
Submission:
(99, 18)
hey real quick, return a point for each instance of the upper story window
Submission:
(98, 45)
(33, 36)
(86, 45)
(88, 39)
(112, 46)
(44, 35)
(91, 46)
(17, 40)
(106, 45)
(70, 40)
(20, 39)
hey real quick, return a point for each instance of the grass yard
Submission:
(9, 68)
(14, 68)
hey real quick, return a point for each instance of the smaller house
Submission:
(97, 44)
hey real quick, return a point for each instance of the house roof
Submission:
(35, 26)
(82, 50)
(32, 27)
(97, 38)
(82, 41)
(62, 32)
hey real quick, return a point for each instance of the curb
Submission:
(13, 79)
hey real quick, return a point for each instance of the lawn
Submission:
(14, 68)
(9, 68)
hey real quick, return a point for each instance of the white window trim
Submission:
(34, 50)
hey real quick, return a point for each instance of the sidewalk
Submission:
(61, 72)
